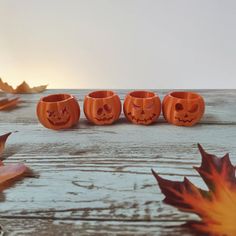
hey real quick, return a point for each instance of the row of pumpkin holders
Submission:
(61, 111)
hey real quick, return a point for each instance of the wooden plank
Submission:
(97, 179)
(219, 106)
(42, 227)
(106, 175)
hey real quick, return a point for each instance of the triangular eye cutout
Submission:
(107, 108)
(99, 111)
(50, 113)
(194, 108)
(64, 110)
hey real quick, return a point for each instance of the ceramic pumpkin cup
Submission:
(102, 107)
(183, 108)
(58, 111)
(142, 107)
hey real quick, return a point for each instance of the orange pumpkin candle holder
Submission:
(58, 111)
(142, 107)
(102, 107)
(183, 108)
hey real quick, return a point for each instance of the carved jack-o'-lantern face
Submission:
(104, 114)
(186, 113)
(102, 107)
(142, 107)
(58, 111)
(183, 108)
(58, 117)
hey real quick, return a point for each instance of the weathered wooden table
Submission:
(96, 180)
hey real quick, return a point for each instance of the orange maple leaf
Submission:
(11, 172)
(22, 88)
(216, 207)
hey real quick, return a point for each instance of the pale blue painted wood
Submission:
(97, 179)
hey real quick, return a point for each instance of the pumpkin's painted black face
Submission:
(58, 117)
(186, 113)
(104, 114)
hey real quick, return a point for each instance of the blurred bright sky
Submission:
(119, 43)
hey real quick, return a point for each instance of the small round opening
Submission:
(142, 94)
(184, 95)
(56, 98)
(101, 94)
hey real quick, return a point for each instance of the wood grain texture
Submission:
(96, 180)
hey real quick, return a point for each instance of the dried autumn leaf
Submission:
(216, 207)
(25, 88)
(8, 103)
(3, 139)
(22, 88)
(9, 173)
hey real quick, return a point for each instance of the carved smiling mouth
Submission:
(184, 120)
(104, 118)
(60, 122)
(142, 120)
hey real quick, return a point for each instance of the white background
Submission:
(119, 43)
